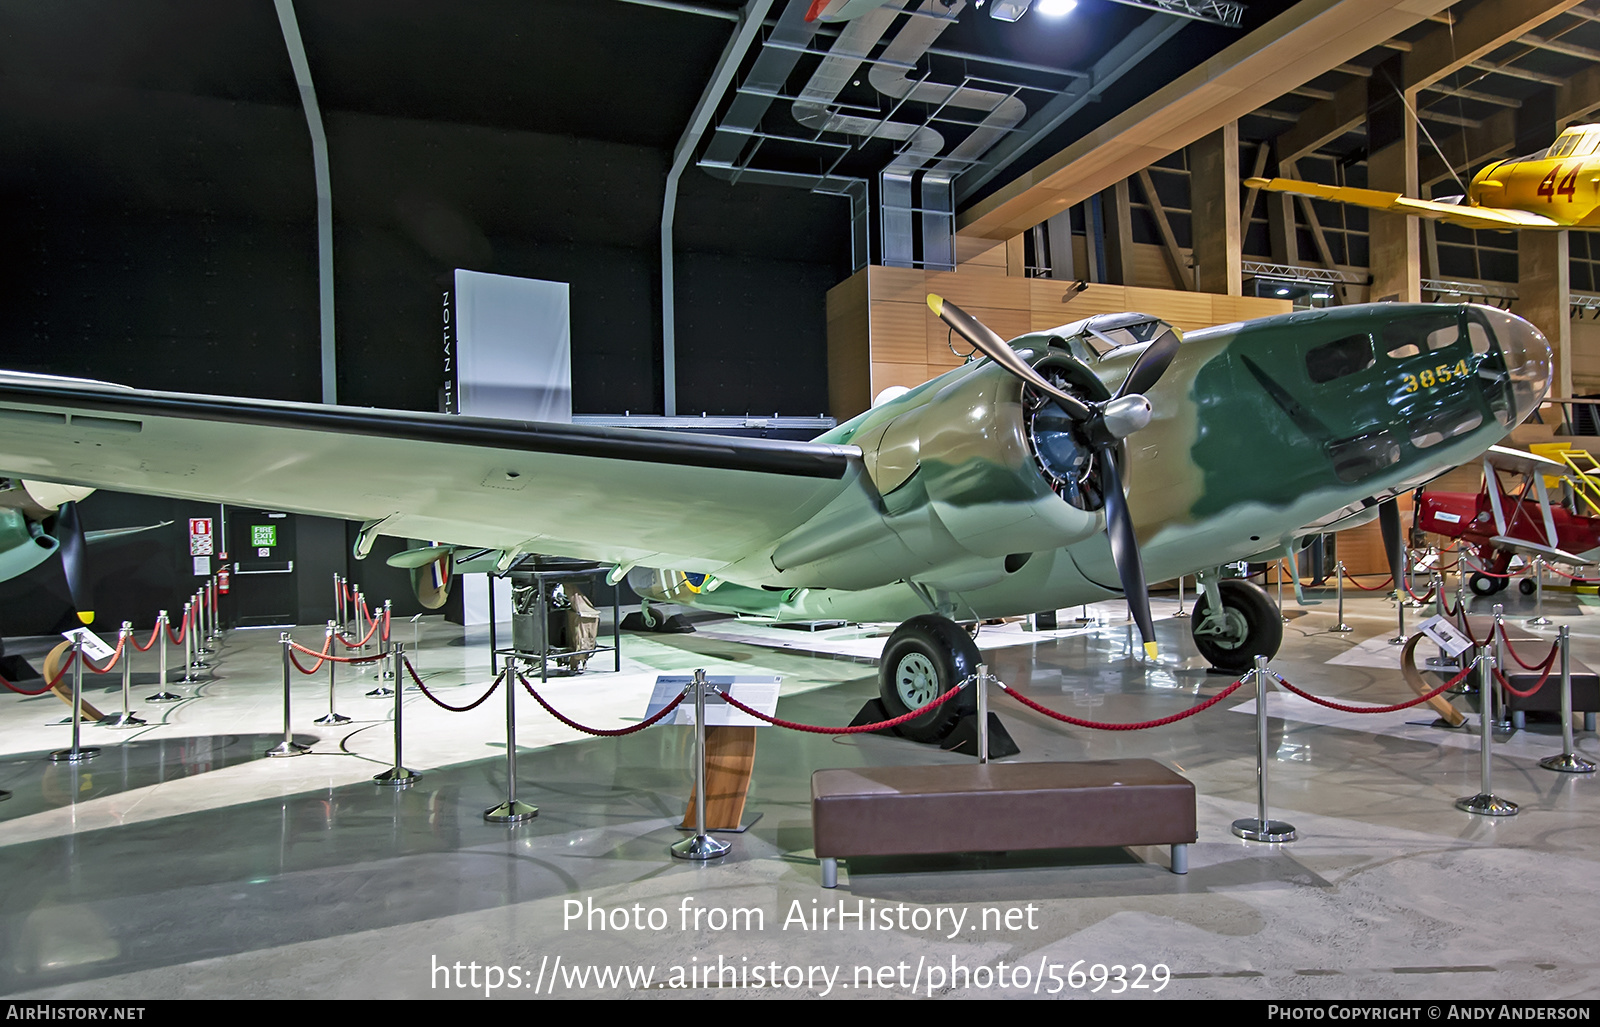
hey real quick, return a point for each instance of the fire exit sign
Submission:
(264, 535)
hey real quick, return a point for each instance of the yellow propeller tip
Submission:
(936, 304)
(1150, 649)
(87, 616)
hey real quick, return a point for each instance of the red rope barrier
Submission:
(603, 732)
(1548, 660)
(387, 616)
(1377, 709)
(1376, 588)
(1191, 711)
(112, 663)
(72, 654)
(454, 709)
(854, 729)
(1536, 685)
(361, 644)
(1569, 577)
(183, 630)
(322, 657)
(155, 633)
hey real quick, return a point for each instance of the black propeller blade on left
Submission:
(74, 560)
(1393, 543)
(1125, 550)
(1151, 365)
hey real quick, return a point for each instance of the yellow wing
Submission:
(1500, 218)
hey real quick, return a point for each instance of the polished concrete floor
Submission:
(181, 863)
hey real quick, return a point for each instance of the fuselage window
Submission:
(1340, 357)
(1403, 339)
(1479, 335)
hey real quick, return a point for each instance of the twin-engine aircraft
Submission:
(1065, 467)
(1552, 189)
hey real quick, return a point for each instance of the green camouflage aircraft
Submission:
(1065, 467)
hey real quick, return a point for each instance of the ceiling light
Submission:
(1008, 10)
(1056, 8)
(1283, 292)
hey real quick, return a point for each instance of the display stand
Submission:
(544, 573)
(730, 743)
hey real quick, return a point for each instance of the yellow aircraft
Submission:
(1551, 189)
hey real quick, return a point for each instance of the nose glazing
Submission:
(1527, 357)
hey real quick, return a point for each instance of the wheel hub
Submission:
(916, 681)
(1227, 628)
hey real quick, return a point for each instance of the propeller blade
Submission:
(1125, 549)
(1151, 365)
(1393, 544)
(995, 348)
(74, 560)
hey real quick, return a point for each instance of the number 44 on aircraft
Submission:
(1064, 467)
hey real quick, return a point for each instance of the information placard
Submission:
(757, 691)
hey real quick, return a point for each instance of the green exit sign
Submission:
(265, 535)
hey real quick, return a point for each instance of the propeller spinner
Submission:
(1100, 427)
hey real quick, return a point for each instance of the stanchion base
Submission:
(397, 777)
(288, 749)
(387, 675)
(1400, 640)
(1488, 805)
(1568, 763)
(332, 718)
(1539, 622)
(380, 693)
(204, 651)
(4, 795)
(199, 665)
(73, 755)
(1446, 666)
(512, 812)
(1341, 627)
(1253, 830)
(1181, 615)
(701, 846)
(164, 697)
(120, 720)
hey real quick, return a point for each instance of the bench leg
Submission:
(830, 872)
(1180, 859)
(1519, 720)
(1588, 722)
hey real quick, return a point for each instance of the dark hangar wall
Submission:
(158, 206)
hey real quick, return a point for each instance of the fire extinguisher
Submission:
(222, 579)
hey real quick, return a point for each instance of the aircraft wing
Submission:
(614, 495)
(1500, 218)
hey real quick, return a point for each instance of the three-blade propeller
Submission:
(1103, 425)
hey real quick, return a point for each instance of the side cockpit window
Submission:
(1340, 357)
(1410, 337)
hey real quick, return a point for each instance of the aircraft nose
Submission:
(1526, 353)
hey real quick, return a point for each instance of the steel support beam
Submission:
(1305, 41)
(738, 45)
(1442, 51)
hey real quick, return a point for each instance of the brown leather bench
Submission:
(999, 807)
(1531, 646)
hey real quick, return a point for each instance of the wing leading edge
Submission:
(1500, 218)
(617, 495)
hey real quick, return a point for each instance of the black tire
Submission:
(1527, 586)
(1257, 627)
(925, 657)
(1483, 585)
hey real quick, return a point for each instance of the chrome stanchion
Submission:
(1181, 611)
(1539, 619)
(701, 845)
(216, 621)
(397, 776)
(161, 650)
(1504, 723)
(287, 747)
(125, 644)
(76, 754)
(983, 713)
(511, 811)
(1486, 803)
(1567, 761)
(189, 657)
(203, 632)
(1262, 829)
(1444, 661)
(1339, 579)
(338, 601)
(1400, 597)
(387, 673)
(332, 717)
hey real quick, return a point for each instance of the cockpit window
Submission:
(1340, 357)
(1104, 334)
(1565, 145)
(1588, 144)
(1418, 335)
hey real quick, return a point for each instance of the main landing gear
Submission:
(925, 658)
(1234, 621)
